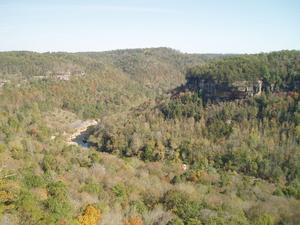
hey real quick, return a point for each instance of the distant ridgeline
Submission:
(243, 76)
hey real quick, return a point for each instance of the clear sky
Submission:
(202, 26)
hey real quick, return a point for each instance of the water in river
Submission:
(81, 140)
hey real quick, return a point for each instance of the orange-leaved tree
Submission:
(134, 221)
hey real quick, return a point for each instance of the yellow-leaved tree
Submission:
(90, 216)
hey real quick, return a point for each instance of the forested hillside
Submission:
(97, 81)
(256, 137)
(42, 95)
(161, 154)
(277, 70)
(157, 68)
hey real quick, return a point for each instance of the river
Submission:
(80, 134)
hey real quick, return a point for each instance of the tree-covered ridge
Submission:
(158, 68)
(151, 66)
(90, 84)
(30, 64)
(277, 69)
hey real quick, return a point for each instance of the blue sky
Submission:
(211, 26)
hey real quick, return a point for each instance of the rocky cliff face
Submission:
(210, 89)
(246, 75)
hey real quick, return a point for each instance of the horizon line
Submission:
(144, 48)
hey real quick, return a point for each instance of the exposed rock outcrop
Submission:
(210, 89)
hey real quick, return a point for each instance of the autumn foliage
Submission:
(91, 216)
(134, 221)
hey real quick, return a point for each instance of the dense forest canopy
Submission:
(154, 159)
(160, 67)
(98, 82)
(280, 69)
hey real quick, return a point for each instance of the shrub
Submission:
(17, 152)
(175, 221)
(49, 163)
(94, 157)
(293, 189)
(139, 206)
(265, 219)
(6, 197)
(182, 205)
(218, 129)
(92, 188)
(148, 153)
(57, 190)
(194, 222)
(120, 191)
(58, 209)
(58, 202)
(2, 148)
(33, 181)
(29, 208)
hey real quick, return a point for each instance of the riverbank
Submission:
(78, 137)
